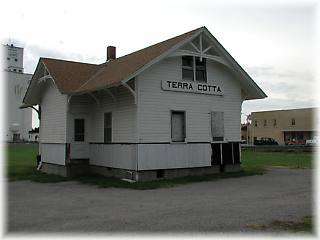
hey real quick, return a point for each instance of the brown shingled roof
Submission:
(68, 75)
(76, 77)
(121, 68)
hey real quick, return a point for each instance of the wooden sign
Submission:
(191, 87)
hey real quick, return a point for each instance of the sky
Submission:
(274, 41)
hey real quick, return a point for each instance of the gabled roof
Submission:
(68, 75)
(76, 78)
(115, 71)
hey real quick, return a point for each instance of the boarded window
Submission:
(107, 127)
(178, 129)
(79, 130)
(187, 68)
(217, 126)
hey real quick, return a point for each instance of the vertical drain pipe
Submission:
(137, 127)
(221, 160)
(137, 163)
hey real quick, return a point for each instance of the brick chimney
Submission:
(111, 53)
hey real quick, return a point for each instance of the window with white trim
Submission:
(187, 68)
(201, 71)
(108, 127)
(194, 69)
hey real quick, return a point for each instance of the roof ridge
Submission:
(63, 60)
(194, 30)
(106, 64)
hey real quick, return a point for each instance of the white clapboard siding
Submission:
(53, 124)
(175, 155)
(80, 108)
(123, 116)
(123, 124)
(123, 110)
(53, 153)
(154, 104)
(114, 155)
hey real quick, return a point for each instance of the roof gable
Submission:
(126, 67)
(253, 91)
(76, 78)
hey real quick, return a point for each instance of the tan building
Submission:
(292, 126)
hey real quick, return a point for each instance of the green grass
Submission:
(21, 165)
(305, 225)
(260, 161)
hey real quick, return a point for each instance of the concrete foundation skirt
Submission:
(83, 168)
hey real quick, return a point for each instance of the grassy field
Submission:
(21, 165)
(262, 160)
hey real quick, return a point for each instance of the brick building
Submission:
(293, 126)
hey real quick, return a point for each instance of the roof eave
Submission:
(165, 54)
(258, 91)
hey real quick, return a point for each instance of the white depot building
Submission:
(171, 109)
(18, 121)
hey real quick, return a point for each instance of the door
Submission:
(79, 148)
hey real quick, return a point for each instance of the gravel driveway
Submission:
(227, 205)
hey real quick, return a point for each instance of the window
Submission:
(178, 129)
(201, 72)
(293, 122)
(274, 122)
(256, 123)
(194, 69)
(217, 126)
(16, 60)
(108, 127)
(8, 58)
(264, 122)
(20, 70)
(79, 130)
(187, 68)
(14, 70)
